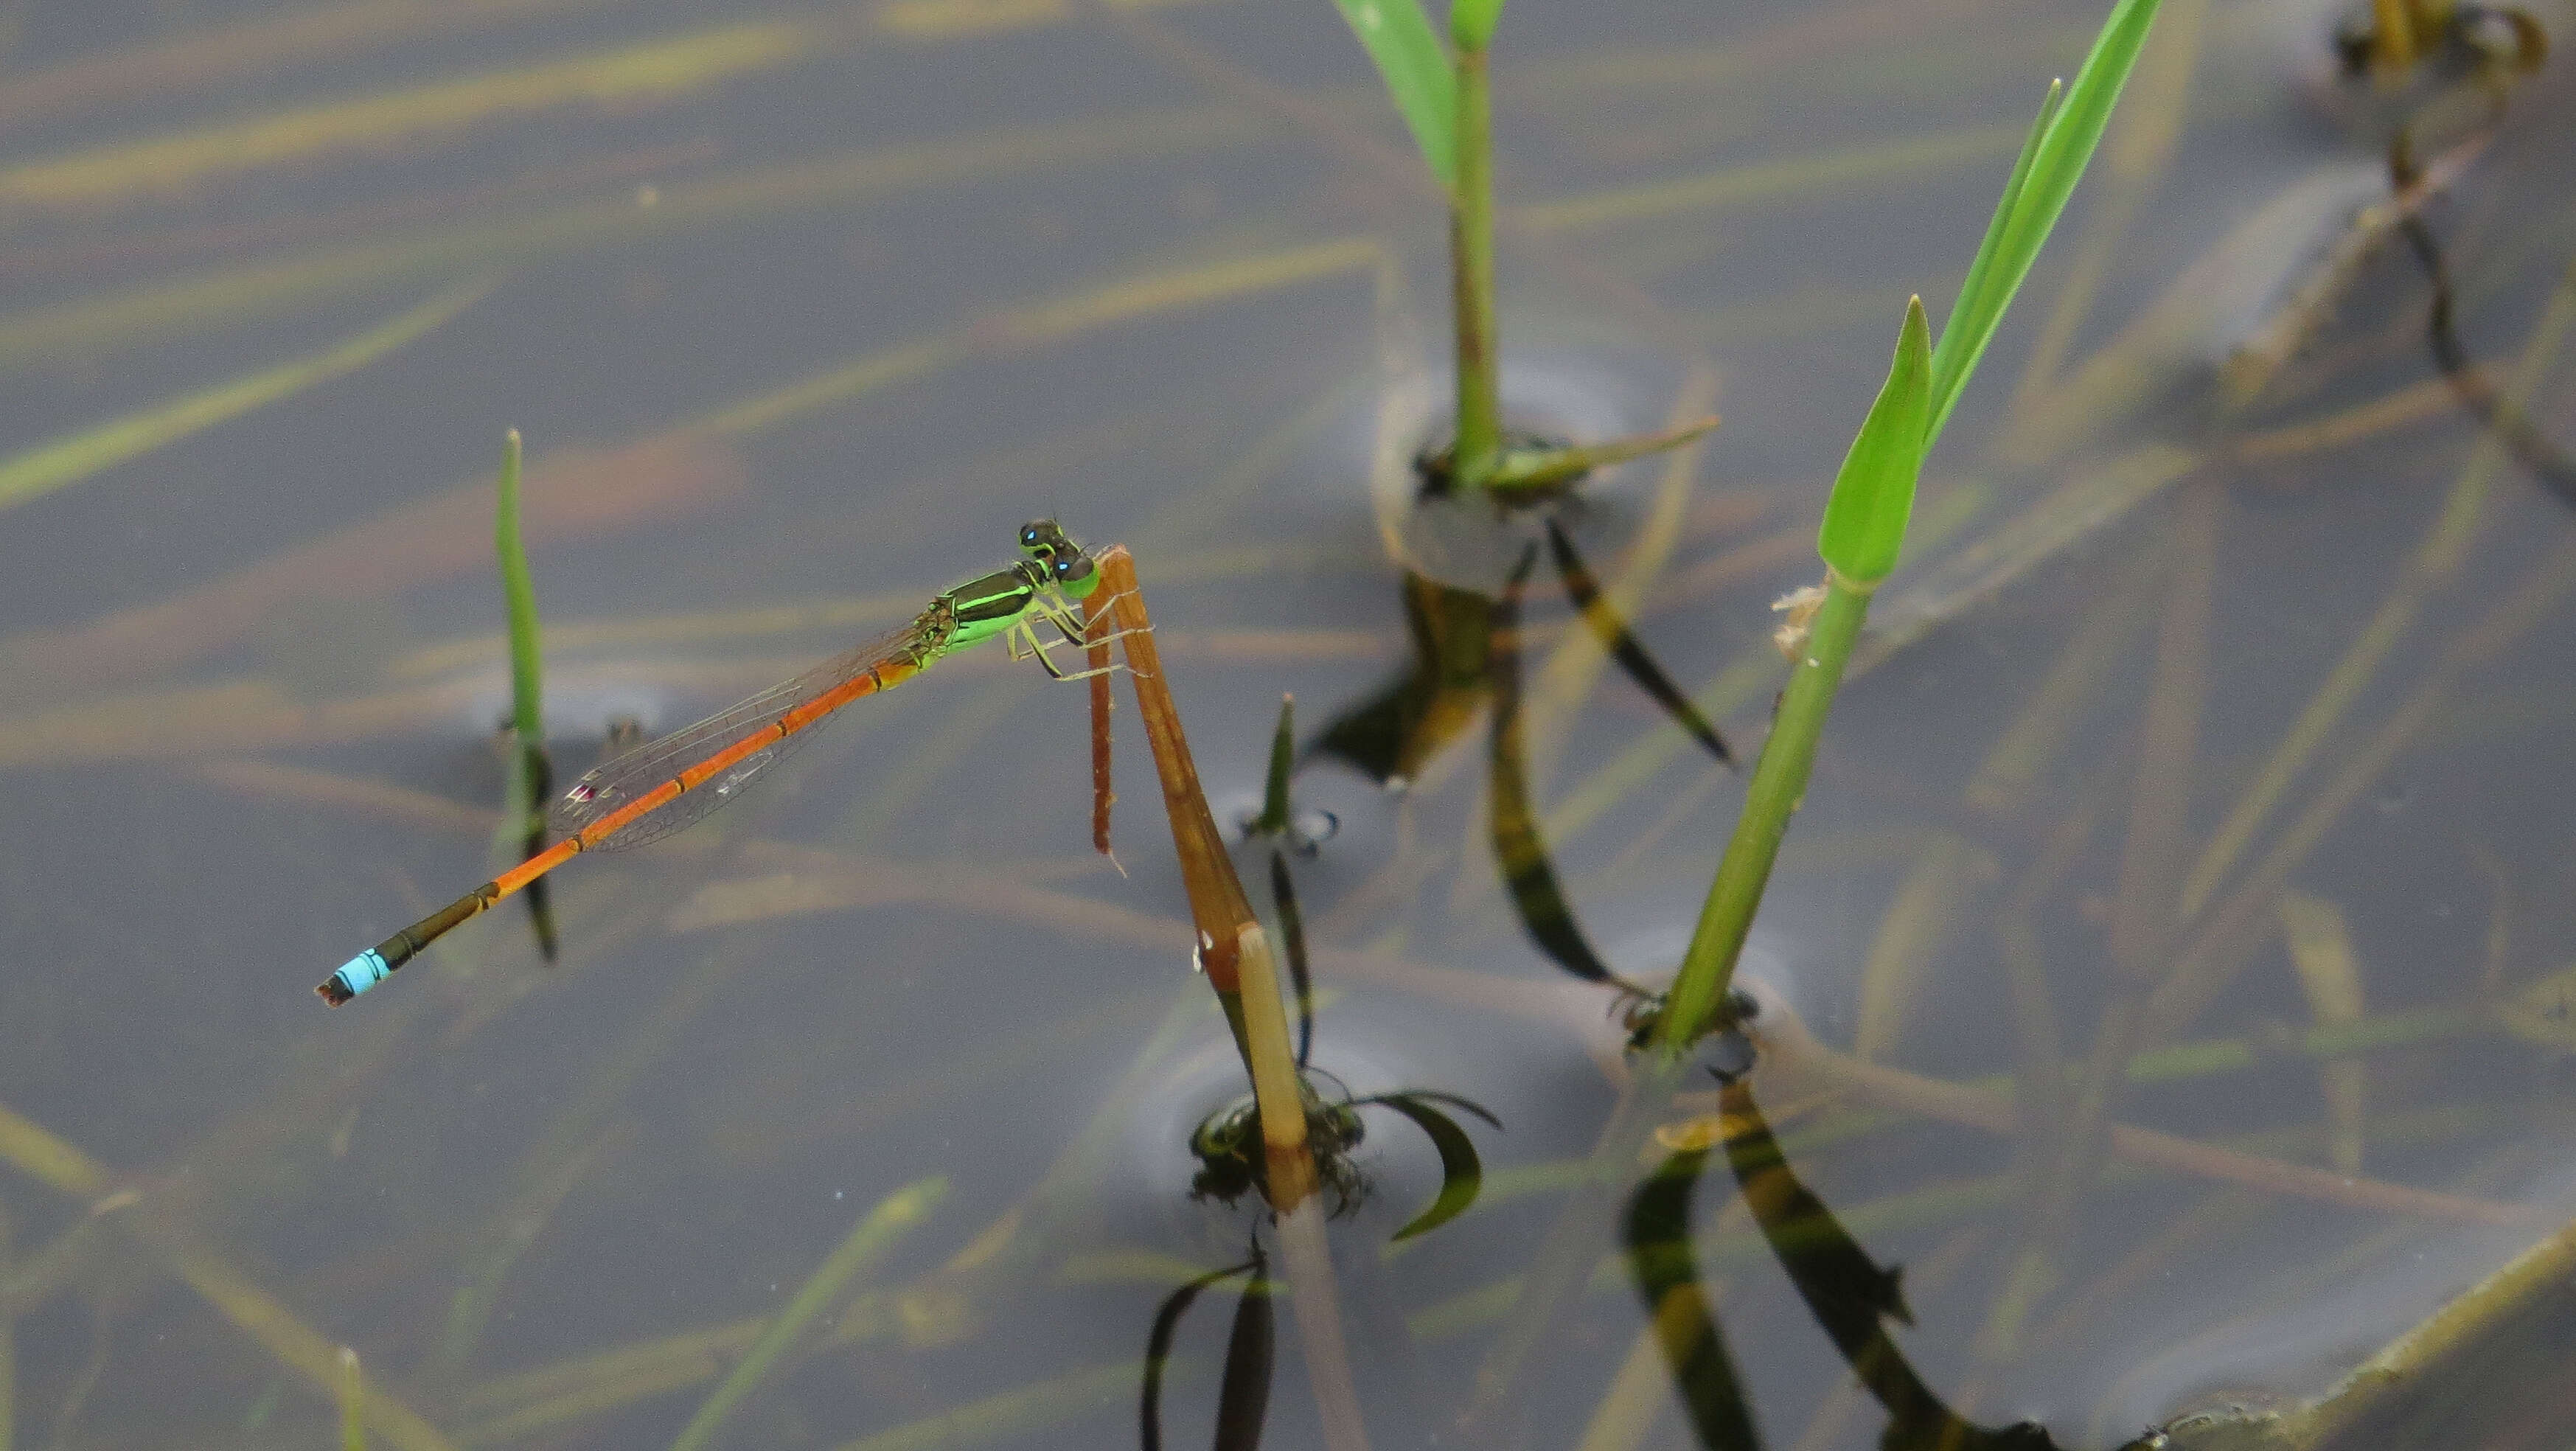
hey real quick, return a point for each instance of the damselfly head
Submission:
(1068, 567)
(1074, 573)
(1044, 539)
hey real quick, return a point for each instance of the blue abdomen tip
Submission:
(363, 971)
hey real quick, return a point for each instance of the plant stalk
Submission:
(1235, 953)
(1478, 453)
(519, 589)
(1232, 949)
(1779, 784)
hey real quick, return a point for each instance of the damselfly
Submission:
(665, 784)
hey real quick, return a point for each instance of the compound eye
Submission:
(1064, 569)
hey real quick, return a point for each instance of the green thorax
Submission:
(992, 604)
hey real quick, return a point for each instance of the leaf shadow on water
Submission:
(1466, 649)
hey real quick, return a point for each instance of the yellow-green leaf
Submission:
(1864, 528)
(1471, 22)
(1415, 67)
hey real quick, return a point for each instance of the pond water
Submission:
(2220, 716)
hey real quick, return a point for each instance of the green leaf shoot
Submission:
(1873, 497)
(518, 587)
(351, 1392)
(2053, 159)
(1973, 312)
(1283, 762)
(1415, 67)
(71, 458)
(1471, 22)
(868, 1242)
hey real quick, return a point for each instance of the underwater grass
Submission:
(657, 70)
(2438, 558)
(352, 1394)
(222, 294)
(258, 1314)
(68, 460)
(868, 1242)
(206, 58)
(8, 1336)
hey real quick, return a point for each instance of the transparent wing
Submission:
(614, 782)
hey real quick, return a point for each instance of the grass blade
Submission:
(518, 586)
(1415, 67)
(1283, 760)
(1953, 357)
(74, 457)
(1657, 1234)
(531, 773)
(867, 1243)
(1243, 1394)
(353, 1400)
(1529, 876)
(1292, 944)
(2053, 161)
(1158, 1348)
(1462, 1173)
(1539, 470)
(1603, 620)
(1873, 497)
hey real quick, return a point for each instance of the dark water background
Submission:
(803, 313)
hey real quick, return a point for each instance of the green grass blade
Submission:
(1864, 528)
(1415, 67)
(1283, 761)
(1471, 22)
(531, 774)
(1462, 1173)
(2064, 146)
(1951, 358)
(1251, 1353)
(352, 1389)
(867, 1243)
(1167, 1327)
(526, 669)
(74, 457)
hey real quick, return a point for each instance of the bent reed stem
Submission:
(1235, 953)
(1233, 950)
